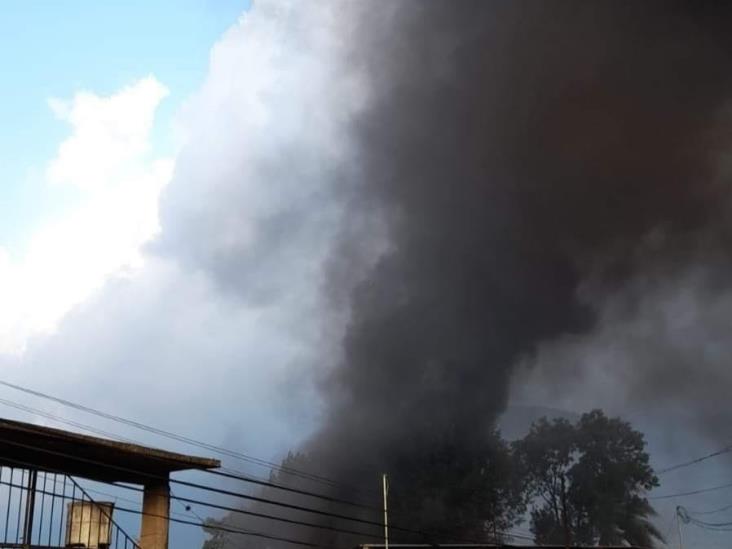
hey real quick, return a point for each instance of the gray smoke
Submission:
(524, 181)
(524, 158)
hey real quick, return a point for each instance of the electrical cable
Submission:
(685, 517)
(257, 514)
(232, 474)
(221, 491)
(181, 438)
(239, 475)
(328, 498)
(53, 417)
(116, 497)
(187, 508)
(224, 472)
(171, 519)
(262, 515)
(229, 530)
(711, 524)
(269, 484)
(299, 523)
(694, 461)
(693, 492)
(211, 489)
(725, 508)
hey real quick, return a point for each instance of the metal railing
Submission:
(40, 509)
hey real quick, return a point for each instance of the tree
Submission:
(588, 481)
(457, 492)
(448, 491)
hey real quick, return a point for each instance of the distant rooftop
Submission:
(25, 445)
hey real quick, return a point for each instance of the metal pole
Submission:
(678, 528)
(30, 505)
(385, 484)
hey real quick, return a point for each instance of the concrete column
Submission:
(156, 510)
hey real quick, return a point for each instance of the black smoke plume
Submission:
(517, 153)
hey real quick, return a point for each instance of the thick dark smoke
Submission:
(518, 151)
(520, 155)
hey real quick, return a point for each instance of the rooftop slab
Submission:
(25, 445)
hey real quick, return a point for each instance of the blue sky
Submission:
(55, 49)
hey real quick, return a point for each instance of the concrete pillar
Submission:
(156, 510)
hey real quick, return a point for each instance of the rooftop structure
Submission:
(93, 458)
(51, 453)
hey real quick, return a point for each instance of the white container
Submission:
(89, 524)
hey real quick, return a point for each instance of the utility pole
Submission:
(385, 486)
(678, 525)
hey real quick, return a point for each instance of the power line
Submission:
(116, 497)
(188, 508)
(720, 452)
(233, 474)
(683, 514)
(215, 490)
(712, 524)
(711, 512)
(693, 492)
(246, 478)
(224, 451)
(206, 504)
(224, 472)
(171, 519)
(239, 476)
(289, 521)
(53, 417)
(299, 523)
(257, 514)
(208, 488)
(187, 440)
(199, 486)
(711, 529)
(226, 529)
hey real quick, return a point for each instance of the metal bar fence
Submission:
(44, 510)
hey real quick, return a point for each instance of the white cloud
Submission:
(110, 134)
(254, 198)
(69, 257)
(218, 330)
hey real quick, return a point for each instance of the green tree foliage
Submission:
(449, 492)
(588, 480)
(454, 493)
